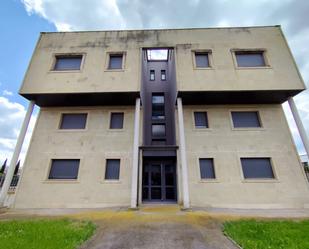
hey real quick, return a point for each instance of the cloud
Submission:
(6, 93)
(12, 115)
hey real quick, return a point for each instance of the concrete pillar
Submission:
(135, 154)
(20, 140)
(183, 157)
(299, 124)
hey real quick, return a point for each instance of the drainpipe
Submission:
(135, 155)
(183, 157)
(299, 124)
(20, 140)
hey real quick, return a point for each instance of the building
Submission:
(191, 116)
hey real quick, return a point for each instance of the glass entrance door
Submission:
(159, 181)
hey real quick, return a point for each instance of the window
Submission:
(64, 169)
(207, 168)
(156, 54)
(246, 119)
(73, 121)
(158, 107)
(163, 75)
(112, 169)
(152, 75)
(250, 58)
(158, 130)
(201, 119)
(201, 60)
(116, 120)
(115, 61)
(257, 168)
(67, 62)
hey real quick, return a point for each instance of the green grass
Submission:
(265, 234)
(44, 233)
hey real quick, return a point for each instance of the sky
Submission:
(21, 21)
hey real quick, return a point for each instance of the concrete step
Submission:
(3, 210)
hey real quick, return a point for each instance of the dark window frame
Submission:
(237, 52)
(67, 56)
(250, 178)
(111, 120)
(152, 72)
(246, 127)
(106, 178)
(202, 53)
(51, 178)
(213, 169)
(194, 120)
(60, 126)
(116, 54)
(157, 107)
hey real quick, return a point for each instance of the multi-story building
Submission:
(191, 116)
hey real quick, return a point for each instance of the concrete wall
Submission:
(226, 145)
(92, 146)
(281, 74)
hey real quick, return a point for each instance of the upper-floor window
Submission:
(163, 75)
(115, 61)
(201, 59)
(73, 121)
(200, 119)
(64, 169)
(158, 130)
(257, 168)
(112, 169)
(207, 170)
(246, 119)
(158, 106)
(250, 58)
(116, 120)
(67, 62)
(152, 76)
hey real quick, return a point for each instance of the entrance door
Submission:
(159, 181)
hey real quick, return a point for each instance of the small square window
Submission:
(250, 58)
(112, 169)
(246, 120)
(201, 119)
(207, 168)
(67, 62)
(152, 75)
(257, 168)
(116, 120)
(64, 169)
(163, 75)
(73, 121)
(115, 61)
(158, 130)
(201, 60)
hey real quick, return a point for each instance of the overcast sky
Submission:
(23, 20)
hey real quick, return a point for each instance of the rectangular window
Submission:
(163, 75)
(115, 61)
(158, 130)
(201, 60)
(201, 119)
(250, 58)
(152, 75)
(116, 120)
(64, 169)
(158, 107)
(112, 169)
(73, 121)
(246, 119)
(67, 62)
(257, 168)
(207, 168)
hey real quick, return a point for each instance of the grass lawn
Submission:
(44, 233)
(269, 234)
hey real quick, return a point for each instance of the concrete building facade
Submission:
(188, 116)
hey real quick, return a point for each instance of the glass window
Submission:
(201, 59)
(158, 107)
(116, 120)
(245, 119)
(207, 168)
(112, 169)
(115, 61)
(158, 130)
(257, 168)
(73, 121)
(157, 54)
(201, 119)
(250, 59)
(64, 169)
(163, 75)
(152, 75)
(68, 62)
